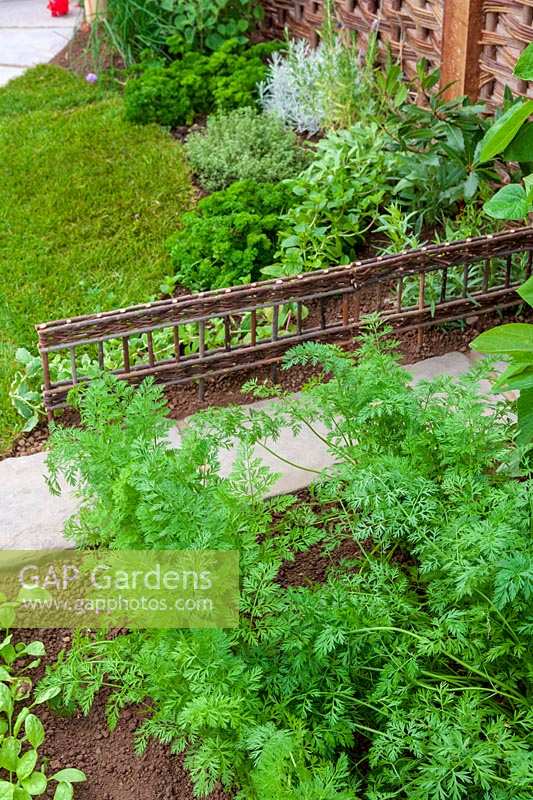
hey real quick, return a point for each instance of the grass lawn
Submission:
(86, 203)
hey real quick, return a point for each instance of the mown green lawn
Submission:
(86, 203)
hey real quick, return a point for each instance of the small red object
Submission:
(58, 8)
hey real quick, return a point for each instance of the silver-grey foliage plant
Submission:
(298, 85)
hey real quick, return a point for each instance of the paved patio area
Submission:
(31, 518)
(29, 35)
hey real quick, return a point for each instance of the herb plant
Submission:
(230, 236)
(176, 93)
(406, 671)
(243, 145)
(135, 26)
(337, 199)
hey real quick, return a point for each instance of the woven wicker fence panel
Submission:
(507, 29)
(411, 28)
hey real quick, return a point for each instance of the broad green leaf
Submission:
(9, 753)
(504, 130)
(35, 649)
(4, 727)
(471, 186)
(521, 147)
(46, 694)
(524, 66)
(26, 764)
(510, 202)
(522, 379)
(64, 791)
(7, 616)
(70, 774)
(21, 794)
(6, 701)
(526, 291)
(20, 721)
(7, 790)
(34, 730)
(511, 338)
(525, 417)
(5, 675)
(36, 783)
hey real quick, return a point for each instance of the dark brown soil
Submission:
(107, 757)
(80, 57)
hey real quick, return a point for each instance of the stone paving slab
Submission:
(8, 73)
(29, 35)
(34, 14)
(31, 518)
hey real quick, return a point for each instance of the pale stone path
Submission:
(31, 518)
(29, 35)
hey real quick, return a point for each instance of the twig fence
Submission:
(475, 42)
(413, 290)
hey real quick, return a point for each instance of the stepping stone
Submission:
(8, 73)
(32, 518)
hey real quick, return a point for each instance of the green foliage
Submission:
(243, 145)
(22, 768)
(515, 342)
(230, 236)
(176, 93)
(133, 27)
(87, 201)
(406, 674)
(206, 24)
(338, 197)
(436, 144)
(511, 137)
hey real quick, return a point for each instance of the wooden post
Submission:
(461, 47)
(94, 9)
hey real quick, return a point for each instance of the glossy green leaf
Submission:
(9, 753)
(6, 701)
(46, 694)
(524, 65)
(525, 416)
(35, 649)
(510, 202)
(526, 291)
(521, 147)
(7, 616)
(64, 791)
(26, 764)
(36, 784)
(21, 794)
(7, 791)
(504, 130)
(71, 775)
(511, 338)
(34, 730)
(4, 674)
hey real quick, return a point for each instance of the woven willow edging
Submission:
(440, 275)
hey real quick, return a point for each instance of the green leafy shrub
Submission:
(230, 236)
(436, 144)
(134, 26)
(176, 93)
(406, 674)
(243, 145)
(337, 199)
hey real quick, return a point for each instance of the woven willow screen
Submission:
(497, 31)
